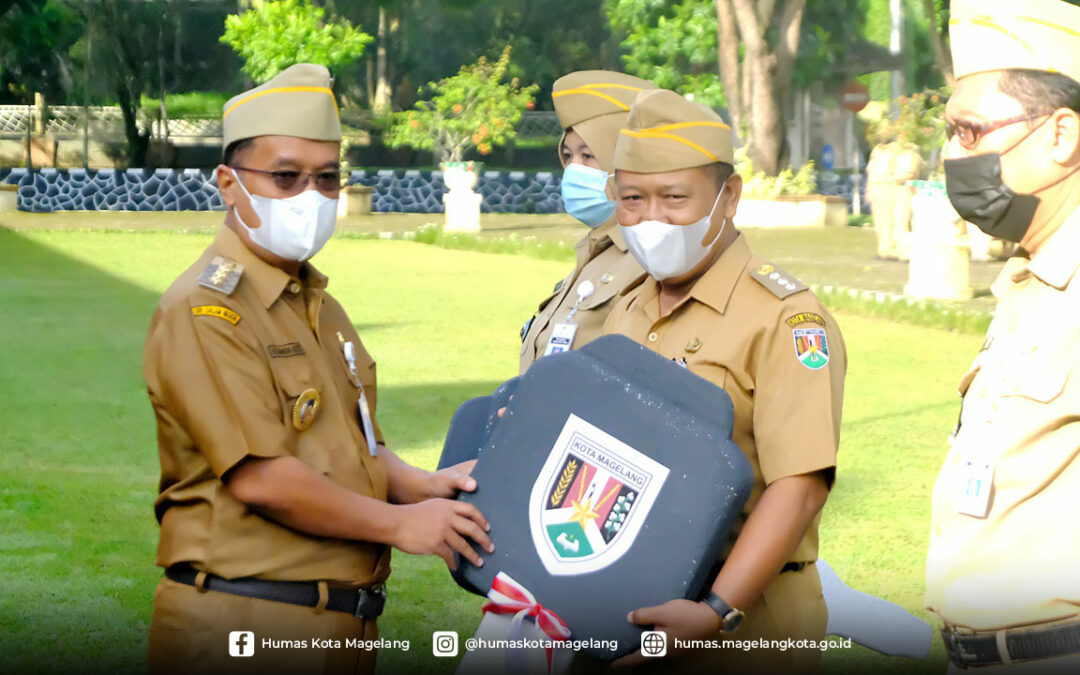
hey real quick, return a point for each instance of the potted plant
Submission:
(786, 200)
(475, 108)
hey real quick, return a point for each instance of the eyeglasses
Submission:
(296, 181)
(970, 133)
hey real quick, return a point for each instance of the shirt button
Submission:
(653, 337)
(294, 288)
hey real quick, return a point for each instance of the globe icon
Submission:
(653, 644)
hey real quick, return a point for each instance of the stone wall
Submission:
(410, 191)
(396, 190)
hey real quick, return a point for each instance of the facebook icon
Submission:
(241, 643)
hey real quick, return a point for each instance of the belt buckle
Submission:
(370, 602)
(962, 654)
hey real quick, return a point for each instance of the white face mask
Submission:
(668, 251)
(295, 228)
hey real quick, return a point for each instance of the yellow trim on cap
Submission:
(652, 133)
(987, 22)
(580, 90)
(1049, 24)
(595, 85)
(280, 90)
(688, 125)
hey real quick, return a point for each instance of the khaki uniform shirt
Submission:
(602, 258)
(740, 329)
(1021, 415)
(880, 168)
(225, 373)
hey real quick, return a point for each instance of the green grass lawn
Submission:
(78, 461)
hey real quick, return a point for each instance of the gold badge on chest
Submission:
(306, 408)
(693, 345)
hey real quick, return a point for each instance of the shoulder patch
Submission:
(218, 311)
(776, 281)
(811, 347)
(222, 275)
(805, 317)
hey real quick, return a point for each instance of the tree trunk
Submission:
(942, 57)
(382, 86)
(766, 125)
(727, 41)
(758, 91)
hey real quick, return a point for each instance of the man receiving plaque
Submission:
(743, 324)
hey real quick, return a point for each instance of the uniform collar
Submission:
(714, 288)
(600, 238)
(1057, 260)
(269, 281)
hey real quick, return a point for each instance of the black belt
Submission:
(363, 603)
(1021, 644)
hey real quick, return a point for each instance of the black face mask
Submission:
(980, 196)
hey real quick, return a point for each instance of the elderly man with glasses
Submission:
(1003, 566)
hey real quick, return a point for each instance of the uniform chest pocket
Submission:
(304, 411)
(600, 296)
(1042, 382)
(302, 400)
(712, 371)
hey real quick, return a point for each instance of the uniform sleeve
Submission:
(799, 391)
(213, 378)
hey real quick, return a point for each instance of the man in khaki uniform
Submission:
(278, 499)
(881, 191)
(743, 324)
(1002, 568)
(592, 106)
(907, 165)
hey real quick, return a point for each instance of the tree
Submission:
(673, 45)
(753, 46)
(275, 35)
(424, 41)
(758, 87)
(474, 108)
(34, 41)
(127, 42)
(938, 19)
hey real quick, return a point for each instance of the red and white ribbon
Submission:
(509, 597)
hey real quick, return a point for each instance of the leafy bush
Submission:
(922, 120)
(760, 185)
(190, 104)
(275, 35)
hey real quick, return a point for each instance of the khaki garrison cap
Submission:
(595, 103)
(665, 132)
(1013, 34)
(298, 102)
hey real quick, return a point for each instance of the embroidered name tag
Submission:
(281, 351)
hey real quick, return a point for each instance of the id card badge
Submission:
(365, 420)
(562, 336)
(974, 487)
(349, 351)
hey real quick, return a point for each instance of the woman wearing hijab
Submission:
(592, 106)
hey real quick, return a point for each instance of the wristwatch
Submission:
(730, 618)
